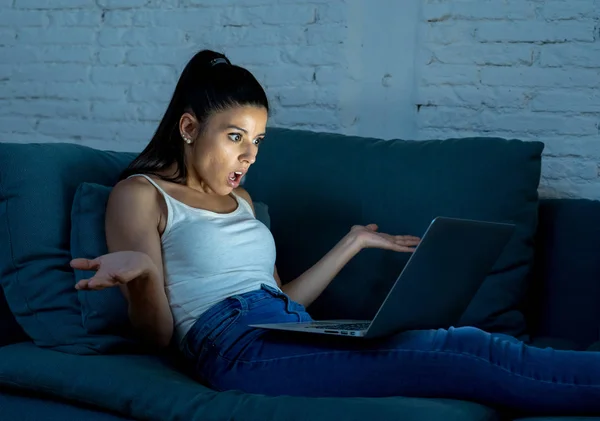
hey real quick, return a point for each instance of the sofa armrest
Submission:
(564, 298)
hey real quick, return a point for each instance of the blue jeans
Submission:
(461, 363)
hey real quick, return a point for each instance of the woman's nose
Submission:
(248, 157)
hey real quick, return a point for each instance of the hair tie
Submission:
(219, 60)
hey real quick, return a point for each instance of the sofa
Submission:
(68, 354)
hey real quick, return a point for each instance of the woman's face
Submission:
(221, 154)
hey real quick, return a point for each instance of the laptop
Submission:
(434, 288)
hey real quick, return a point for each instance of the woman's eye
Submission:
(257, 141)
(236, 137)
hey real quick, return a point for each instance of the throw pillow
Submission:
(37, 185)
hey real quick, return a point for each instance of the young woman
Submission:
(197, 267)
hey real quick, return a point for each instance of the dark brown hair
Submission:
(208, 84)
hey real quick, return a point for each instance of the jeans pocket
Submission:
(223, 326)
(206, 330)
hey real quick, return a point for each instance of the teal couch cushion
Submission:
(36, 408)
(150, 388)
(105, 311)
(318, 185)
(37, 185)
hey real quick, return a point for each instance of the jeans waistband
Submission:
(265, 291)
(230, 307)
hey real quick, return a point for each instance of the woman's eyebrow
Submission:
(231, 126)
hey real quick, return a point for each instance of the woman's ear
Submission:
(188, 127)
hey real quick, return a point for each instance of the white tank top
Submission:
(209, 256)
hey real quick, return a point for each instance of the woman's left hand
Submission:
(368, 237)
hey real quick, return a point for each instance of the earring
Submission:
(187, 140)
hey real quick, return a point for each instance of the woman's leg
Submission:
(463, 363)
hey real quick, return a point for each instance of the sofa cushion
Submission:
(32, 407)
(104, 311)
(318, 185)
(150, 388)
(565, 296)
(37, 185)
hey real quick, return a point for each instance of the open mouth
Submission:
(235, 177)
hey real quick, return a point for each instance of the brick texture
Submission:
(101, 72)
(522, 69)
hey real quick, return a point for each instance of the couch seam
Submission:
(78, 212)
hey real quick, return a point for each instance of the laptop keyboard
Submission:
(345, 326)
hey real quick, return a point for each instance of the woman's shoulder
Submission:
(136, 185)
(134, 191)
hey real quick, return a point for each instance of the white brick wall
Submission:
(100, 72)
(526, 69)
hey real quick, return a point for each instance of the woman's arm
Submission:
(132, 221)
(308, 286)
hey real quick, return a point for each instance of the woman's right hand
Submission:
(112, 269)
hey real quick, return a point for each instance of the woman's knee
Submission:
(465, 340)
